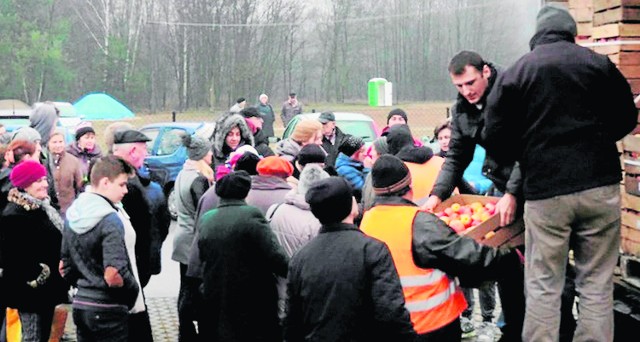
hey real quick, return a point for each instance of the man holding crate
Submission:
(474, 78)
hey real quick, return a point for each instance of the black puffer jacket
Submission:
(343, 286)
(467, 122)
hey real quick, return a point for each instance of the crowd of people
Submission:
(324, 238)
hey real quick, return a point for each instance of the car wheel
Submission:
(171, 203)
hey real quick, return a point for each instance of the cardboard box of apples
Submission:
(475, 216)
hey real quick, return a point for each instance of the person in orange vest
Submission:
(429, 255)
(421, 161)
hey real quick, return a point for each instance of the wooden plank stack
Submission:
(582, 12)
(615, 32)
(617, 23)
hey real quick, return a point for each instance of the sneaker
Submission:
(486, 332)
(468, 329)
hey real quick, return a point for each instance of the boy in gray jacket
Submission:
(98, 256)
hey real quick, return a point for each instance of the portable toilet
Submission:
(380, 92)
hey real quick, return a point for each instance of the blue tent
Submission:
(101, 106)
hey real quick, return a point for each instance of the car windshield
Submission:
(363, 129)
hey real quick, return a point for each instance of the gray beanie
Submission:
(197, 147)
(309, 175)
(553, 17)
(381, 145)
(27, 133)
(43, 119)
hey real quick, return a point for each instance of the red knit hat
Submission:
(26, 173)
(274, 166)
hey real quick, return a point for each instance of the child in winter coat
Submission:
(350, 163)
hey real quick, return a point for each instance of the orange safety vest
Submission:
(423, 176)
(432, 298)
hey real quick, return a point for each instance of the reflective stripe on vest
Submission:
(432, 298)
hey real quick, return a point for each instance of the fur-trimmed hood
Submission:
(223, 125)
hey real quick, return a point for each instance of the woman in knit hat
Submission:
(67, 172)
(30, 244)
(192, 182)
(85, 148)
(307, 131)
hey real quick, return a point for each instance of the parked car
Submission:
(167, 154)
(14, 114)
(358, 124)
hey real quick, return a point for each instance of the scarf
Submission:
(29, 203)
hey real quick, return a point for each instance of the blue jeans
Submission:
(101, 324)
(589, 223)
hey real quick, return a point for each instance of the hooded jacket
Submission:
(467, 122)
(288, 149)
(224, 125)
(559, 111)
(92, 238)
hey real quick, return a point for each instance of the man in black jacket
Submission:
(342, 285)
(332, 137)
(131, 146)
(261, 140)
(559, 111)
(474, 78)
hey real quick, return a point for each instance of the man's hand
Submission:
(61, 268)
(506, 206)
(431, 204)
(112, 277)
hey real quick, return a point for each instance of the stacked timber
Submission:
(616, 33)
(582, 12)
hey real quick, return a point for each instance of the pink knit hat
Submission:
(26, 173)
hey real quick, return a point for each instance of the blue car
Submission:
(167, 154)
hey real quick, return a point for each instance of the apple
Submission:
(448, 211)
(455, 207)
(457, 225)
(445, 219)
(466, 220)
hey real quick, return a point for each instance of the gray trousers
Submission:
(589, 223)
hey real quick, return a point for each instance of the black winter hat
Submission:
(250, 112)
(350, 145)
(248, 162)
(389, 175)
(84, 130)
(398, 137)
(330, 199)
(129, 136)
(399, 112)
(235, 185)
(311, 153)
(240, 100)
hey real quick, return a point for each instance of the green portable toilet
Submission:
(380, 92)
